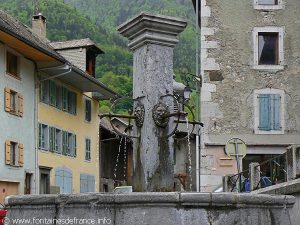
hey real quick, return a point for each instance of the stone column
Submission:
(227, 183)
(254, 174)
(152, 39)
(293, 162)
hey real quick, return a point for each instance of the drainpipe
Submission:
(36, 162)
(198, 91)
(57, 75)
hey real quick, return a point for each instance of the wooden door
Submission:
(6, 189)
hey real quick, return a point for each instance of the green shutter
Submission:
(52, 139)
(64, 99)
(64, 142)
(52, 93)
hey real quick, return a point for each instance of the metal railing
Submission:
(267, 173)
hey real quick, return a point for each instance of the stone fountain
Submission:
(152, 39)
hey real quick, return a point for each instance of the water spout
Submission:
(189, 155)
(117, 161)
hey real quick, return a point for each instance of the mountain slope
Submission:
(111, 13)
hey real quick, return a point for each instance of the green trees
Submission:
(98, 20)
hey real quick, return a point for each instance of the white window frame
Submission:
(47, 136)
(270, 29)
(256, 110)
(267, 7)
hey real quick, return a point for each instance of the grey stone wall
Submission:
(153, 209)
(228, 27)
(288, 188)
(231, 78)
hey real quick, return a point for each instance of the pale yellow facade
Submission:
(78, 125)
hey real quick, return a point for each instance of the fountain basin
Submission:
(152, 208)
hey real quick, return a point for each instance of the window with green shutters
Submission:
(88, 149)
(57, 140)
(58, 96)
(269, 112)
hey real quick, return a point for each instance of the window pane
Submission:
(13, 154)
(65, 99)
(58, 97)
(13, 101)
(58, 141)
(45, 91)
(52, 93)
(88, 110)
(268, 2)
(268, 48)
(12, 64)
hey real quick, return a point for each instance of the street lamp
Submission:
(187, 93)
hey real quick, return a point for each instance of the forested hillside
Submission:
(98, 20)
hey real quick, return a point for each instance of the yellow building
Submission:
(68, 122)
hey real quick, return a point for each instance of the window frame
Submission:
(14, 153)
(277, 6)
(268, 91)
(45, 138)
(58, 96)
(13, 103)
(255, 34)
(18, 73)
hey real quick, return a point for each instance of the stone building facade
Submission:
(250, 59)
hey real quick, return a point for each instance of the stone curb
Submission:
(184, 199)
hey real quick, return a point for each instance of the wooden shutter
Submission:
(20, 105)
(59, 180)
(7, 99)
(83, 183)
(7, 152)
(21, 154)
(276, 99)
(67, 181)
(91, 183)
(264, 112)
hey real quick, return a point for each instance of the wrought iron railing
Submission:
(272, 171)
